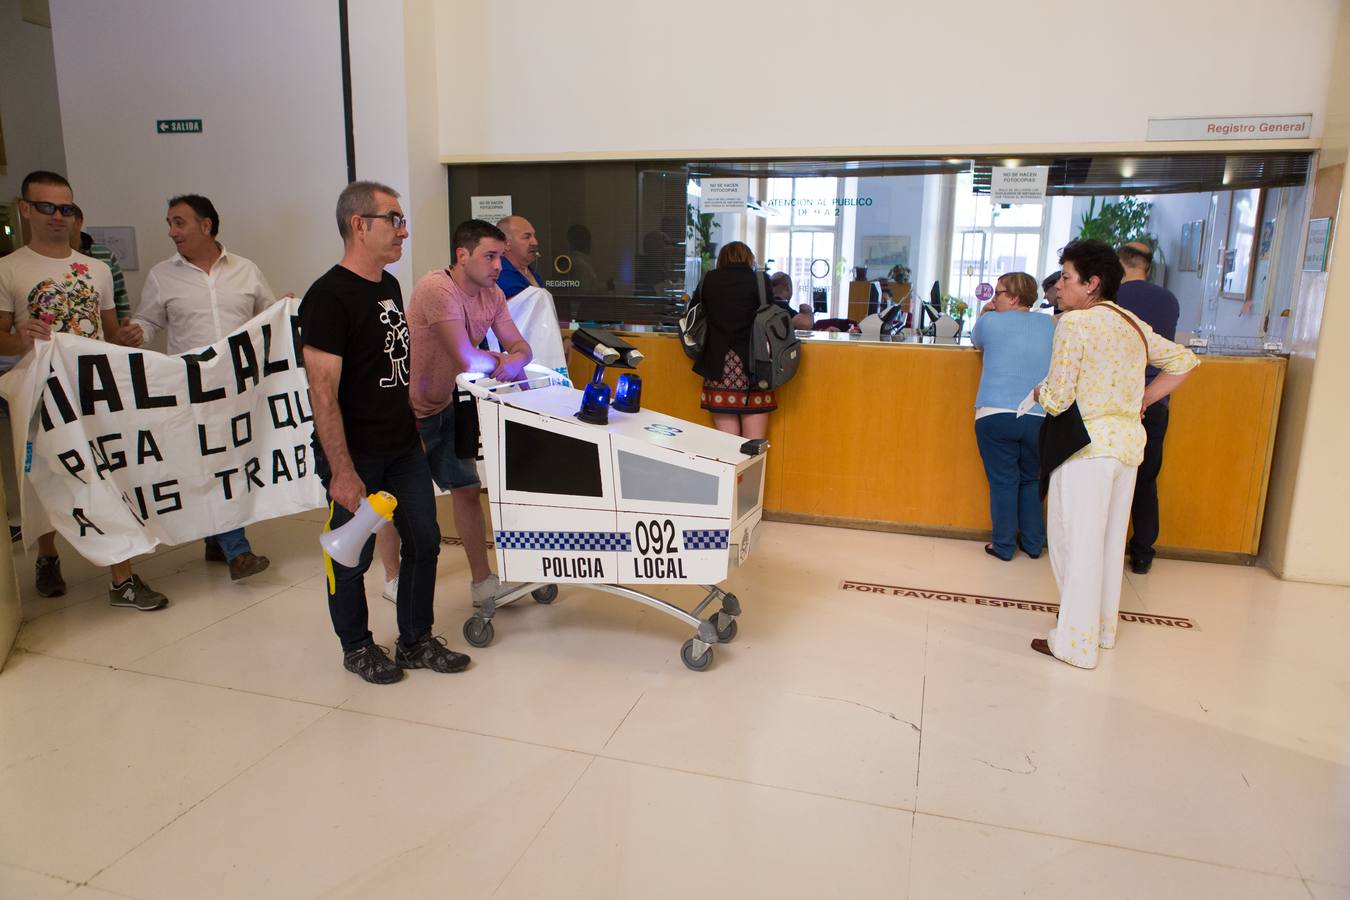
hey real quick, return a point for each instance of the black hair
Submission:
(42, 176)
(203, 207)
(468, 234)
(1051, 280)
(1092, 257)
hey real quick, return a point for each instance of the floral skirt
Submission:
(732, 393)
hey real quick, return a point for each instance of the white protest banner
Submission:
(122, 449)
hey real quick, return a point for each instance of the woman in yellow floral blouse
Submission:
(1098, 361)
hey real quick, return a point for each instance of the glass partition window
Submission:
(623, 241)
(1239, 248)
(802, 235)
(989, 240)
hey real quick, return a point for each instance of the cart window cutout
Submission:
(545, 462)
(644, 478)
(748, 484)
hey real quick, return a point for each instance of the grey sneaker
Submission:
(371, 662)
(47, 572)
(137, 595)
(430, 653)
(490, 586)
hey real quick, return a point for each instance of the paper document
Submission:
(1027, 403)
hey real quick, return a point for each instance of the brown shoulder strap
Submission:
(1133, 324)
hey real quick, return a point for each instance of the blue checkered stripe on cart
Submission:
(706, 539)
(578, 541)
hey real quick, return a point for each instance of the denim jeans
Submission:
(1011, 450)
(231, 543)
(406, 476)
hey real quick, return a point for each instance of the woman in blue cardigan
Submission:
(1016, 343)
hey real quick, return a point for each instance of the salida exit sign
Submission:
(178, 126)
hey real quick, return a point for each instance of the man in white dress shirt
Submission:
(199, 295)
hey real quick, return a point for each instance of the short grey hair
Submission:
(358, 199)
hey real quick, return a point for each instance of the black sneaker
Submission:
(371, 662)
(136, 594)
(49, 580)
(430, 653)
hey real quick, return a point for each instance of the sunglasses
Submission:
(397, 220)
(69, 210)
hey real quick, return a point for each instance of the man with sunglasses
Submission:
(198, 296)
(356, 349)
(47, 287)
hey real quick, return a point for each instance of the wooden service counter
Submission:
(881, 436)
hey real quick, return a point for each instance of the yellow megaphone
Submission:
(344, 544)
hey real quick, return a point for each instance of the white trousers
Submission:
(1088, 512)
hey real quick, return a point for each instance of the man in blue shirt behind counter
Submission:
(1159, 308)
(522, 251)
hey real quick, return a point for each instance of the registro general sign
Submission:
(178, 126)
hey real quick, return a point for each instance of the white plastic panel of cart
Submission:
(489, 466)
(542, 543)
(549, 461)
(666, 549)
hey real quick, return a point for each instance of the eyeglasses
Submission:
(996, 293)
(397, 220)
(69, 210)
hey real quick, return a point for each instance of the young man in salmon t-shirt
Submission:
(449, 315)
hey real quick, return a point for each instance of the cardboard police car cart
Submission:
(642, 498)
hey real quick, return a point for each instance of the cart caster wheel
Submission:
(697, 664)
(478, 632)
(730, 605)
(725, 635)
(546, 594)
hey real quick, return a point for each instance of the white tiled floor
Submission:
(845, 745)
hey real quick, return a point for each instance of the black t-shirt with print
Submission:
(362, 322)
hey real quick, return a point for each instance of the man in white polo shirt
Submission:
(199, 295)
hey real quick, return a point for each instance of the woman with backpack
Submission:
(730, 296)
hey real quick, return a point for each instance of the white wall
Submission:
(28, 101)
(264, 77)
(592, 77)
(379, 107)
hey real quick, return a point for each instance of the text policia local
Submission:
(97, 383)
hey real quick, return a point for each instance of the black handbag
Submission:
(1061, 437)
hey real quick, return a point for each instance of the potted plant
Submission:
(1121, 222)
(957, 309)
(699, 227)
